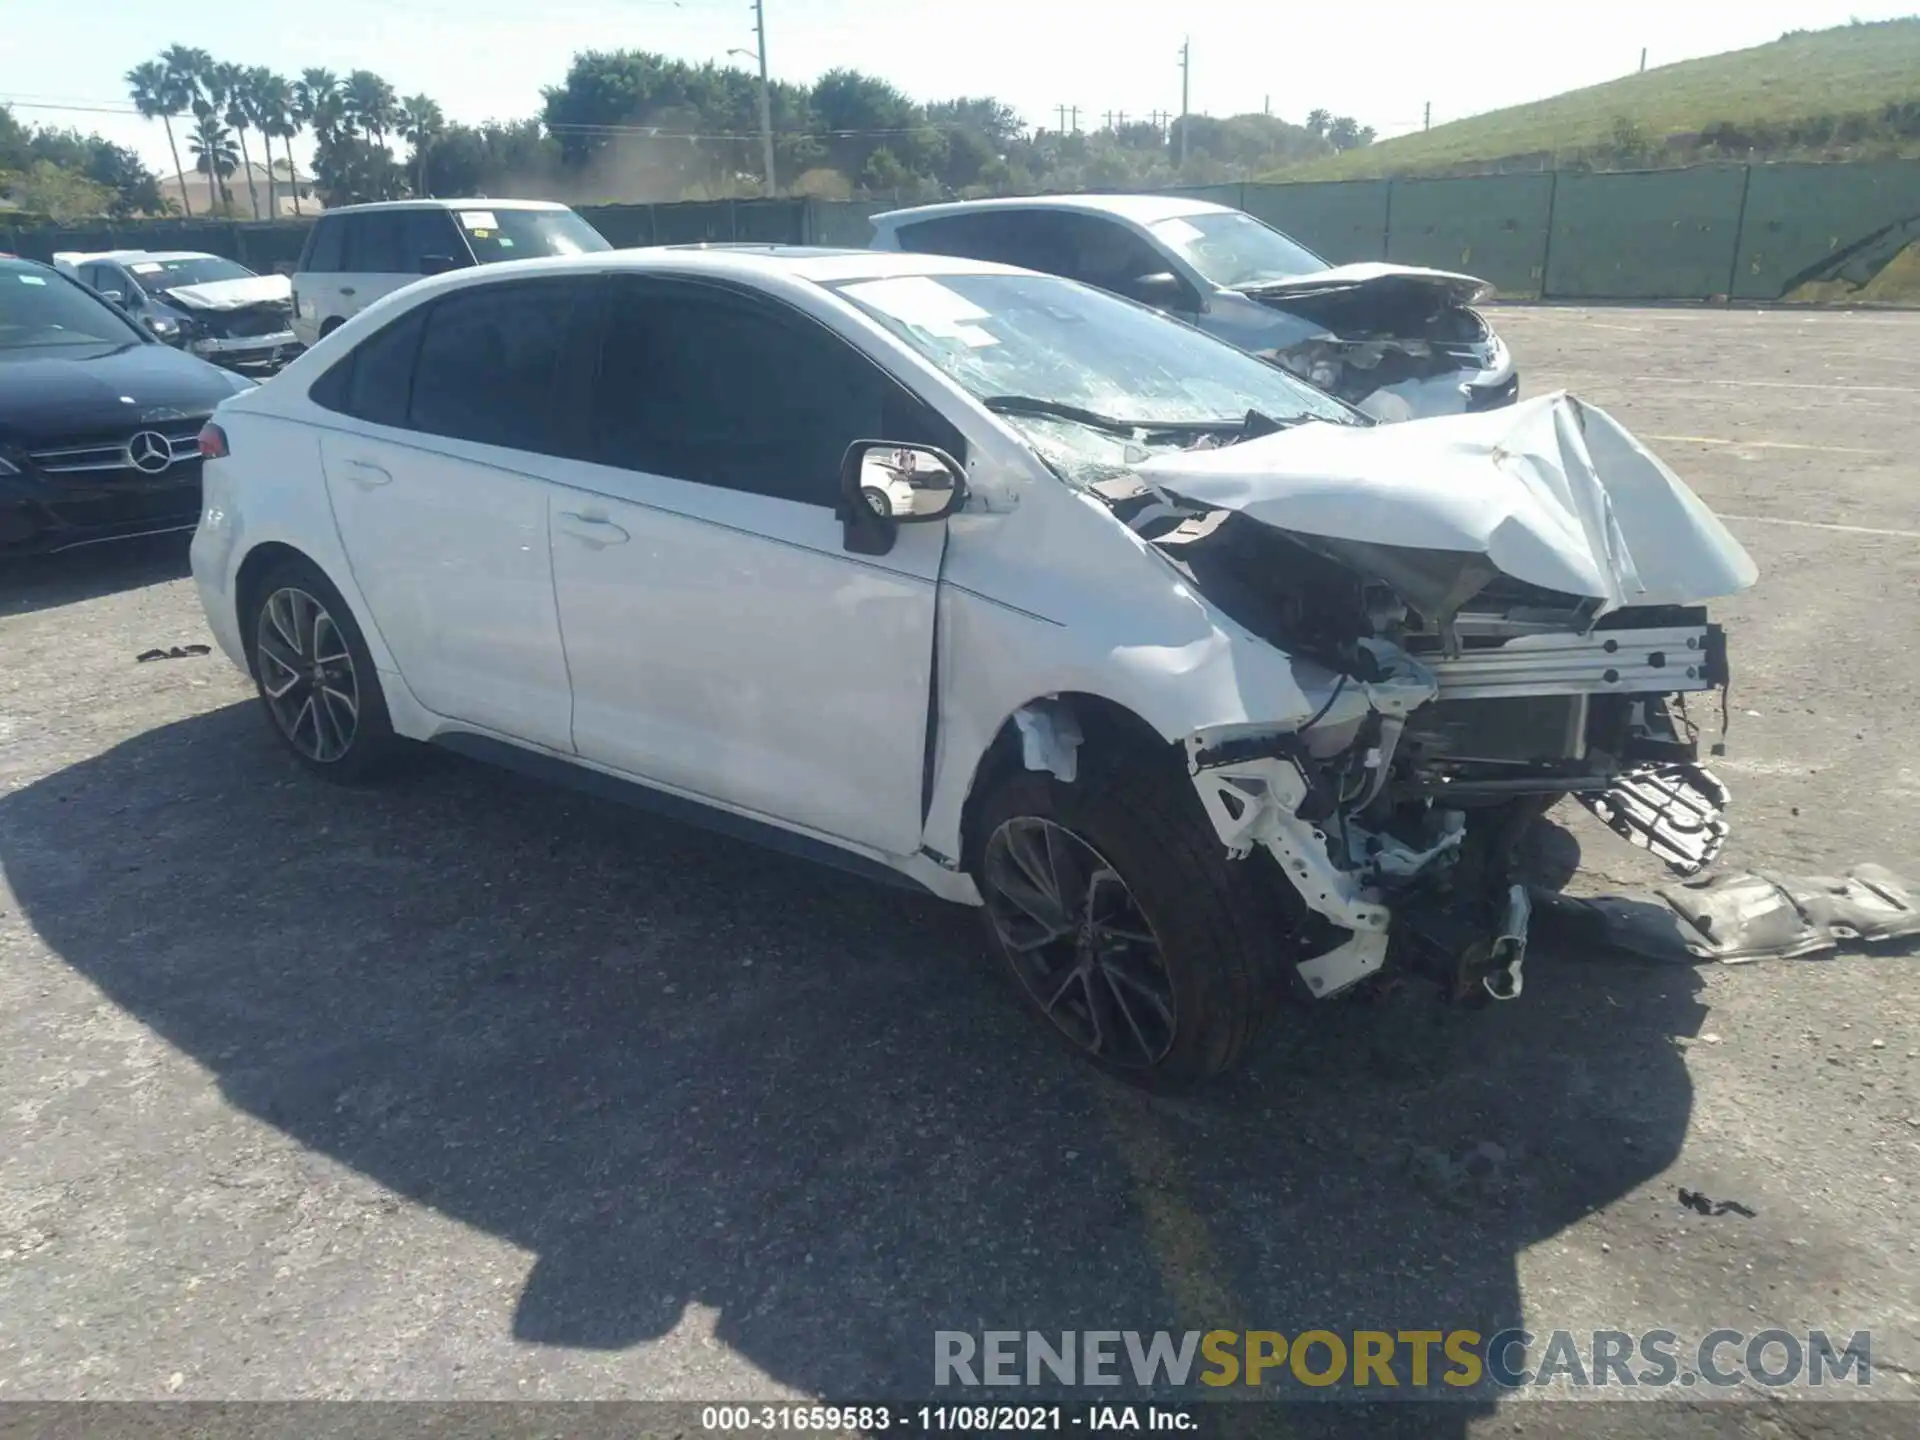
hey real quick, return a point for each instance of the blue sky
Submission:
(488, 58)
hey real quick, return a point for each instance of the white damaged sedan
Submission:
(1206, 690)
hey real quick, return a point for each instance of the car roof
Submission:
(89, 257)
(1140, 209)
(817, 265)
(438, 204)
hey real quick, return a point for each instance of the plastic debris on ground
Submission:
(1746, 915)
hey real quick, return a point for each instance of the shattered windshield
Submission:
(1232, 249)
(1061, 346)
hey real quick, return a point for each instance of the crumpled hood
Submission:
(232, 294)
(1552, 491)
(1460, 289)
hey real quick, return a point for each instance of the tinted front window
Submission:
(428, 235)
(703, 384)
(194, 270)
(43, 308)
(505, 234)
(1057, 341)
(488, 361)
(1233, 249)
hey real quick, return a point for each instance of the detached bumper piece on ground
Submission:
(1750, 915)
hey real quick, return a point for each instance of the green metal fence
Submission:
(1493, 226)
(1748, 232)
(1344, 220)
(1801, 218)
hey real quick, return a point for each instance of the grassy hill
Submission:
(1848, 93)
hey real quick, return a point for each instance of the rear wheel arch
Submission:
(262, 561)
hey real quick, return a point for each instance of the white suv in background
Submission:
(359, 253)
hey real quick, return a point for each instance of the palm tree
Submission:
(157, 97)
(273, 113)
(214, 155)
(316, 102)
(227, 86)
(189, 67)
(421, 123)
(369, 104)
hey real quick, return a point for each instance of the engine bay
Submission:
(1488, 700)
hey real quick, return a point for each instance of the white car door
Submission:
(440, 492)
(721, 640)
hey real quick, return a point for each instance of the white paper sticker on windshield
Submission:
(926, 305)
(146, 267)
(33, 279)
(479, 220)
(1179, 232)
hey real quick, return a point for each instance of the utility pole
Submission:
(1643, 59)
(1074, 110)
(1061, 111)
(1266, 105)
(766, 95)
(1186, 48)
(1427, 123)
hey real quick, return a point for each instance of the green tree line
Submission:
(619, 126)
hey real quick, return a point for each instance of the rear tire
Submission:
(315, 676)
(1223, 934)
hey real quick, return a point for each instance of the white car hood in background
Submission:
(1460, 289)
(1552, 491)
(233, 294)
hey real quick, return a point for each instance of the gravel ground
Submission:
(469, 1089)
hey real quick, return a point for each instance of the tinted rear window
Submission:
(487, 364)
(375, 244)
(323, 248)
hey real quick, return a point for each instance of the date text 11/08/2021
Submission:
(948, 1419)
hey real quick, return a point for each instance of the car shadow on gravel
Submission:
(45, 582)
(680, 1070)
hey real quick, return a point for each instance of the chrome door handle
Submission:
(593, 529)
(367, 475)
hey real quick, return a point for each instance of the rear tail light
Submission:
(213, 442)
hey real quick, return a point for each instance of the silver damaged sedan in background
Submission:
(1398, 341)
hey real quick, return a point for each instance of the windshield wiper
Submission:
(1038, 409)
(1246, 426)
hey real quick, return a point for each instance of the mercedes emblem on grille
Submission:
(149, 452)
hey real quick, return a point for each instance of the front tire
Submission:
(1130, 932)
(315, 676)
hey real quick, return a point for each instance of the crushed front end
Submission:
(1396, 342)
(1455, 702)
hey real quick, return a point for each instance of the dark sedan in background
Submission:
(99, 421)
